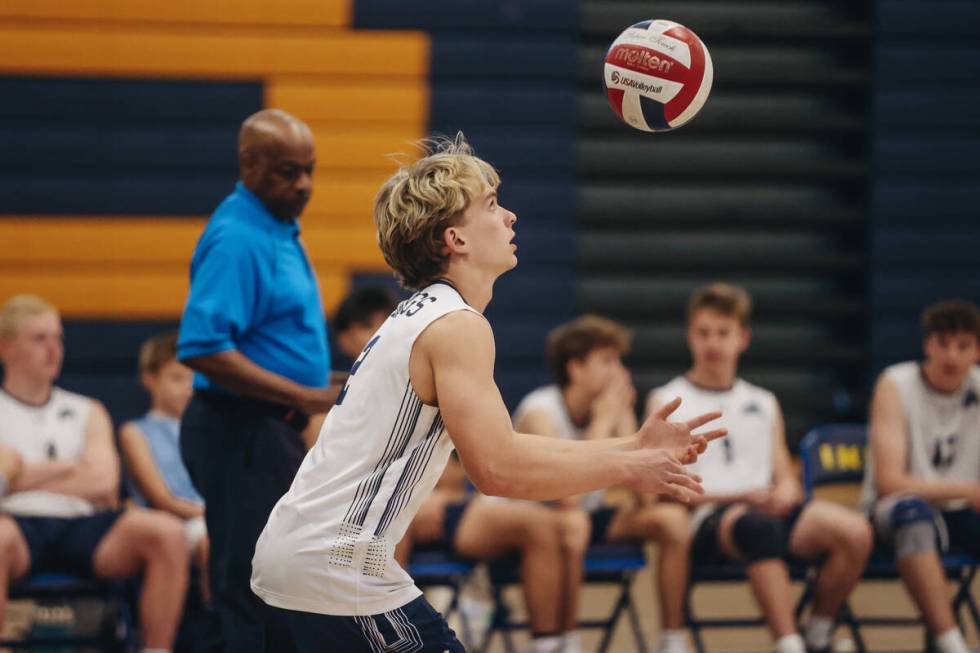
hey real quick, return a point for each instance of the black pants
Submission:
(242, 457)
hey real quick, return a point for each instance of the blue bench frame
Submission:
(616, 564)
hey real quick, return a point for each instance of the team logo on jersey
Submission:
(944, 452)
(970, 399)
(752, 408)
(66, 413)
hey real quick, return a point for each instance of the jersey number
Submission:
(944, 452)
(353, 370)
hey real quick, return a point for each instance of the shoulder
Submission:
(459, 334)
(71, 402)
(756, 393)
(901, 373)
(674, 387)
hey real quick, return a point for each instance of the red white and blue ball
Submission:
(657, 75)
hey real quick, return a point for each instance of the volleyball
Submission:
(657, 75)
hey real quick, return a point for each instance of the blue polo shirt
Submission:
(253, 289)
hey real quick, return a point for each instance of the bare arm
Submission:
(143, 468)
(237, 372)
(889, 446)
(456, 354)
(94, 476)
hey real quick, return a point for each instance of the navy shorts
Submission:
(65, 544)
(705, 548)
(601, 519)
(413, 628)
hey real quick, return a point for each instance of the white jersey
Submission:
(741, 461)
(548, 399)
(328, 546)
(53, 431)
(943, 430)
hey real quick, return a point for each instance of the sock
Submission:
(572, 642)
(819, 632)
(952, 642)
(546, 644)
(672, 641)
(790, 644)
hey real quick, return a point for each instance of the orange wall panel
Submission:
(328, 13)
(156, 52)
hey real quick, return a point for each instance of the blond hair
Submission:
(725, 298)
(417, 203)
(20, 308)
(577, 339)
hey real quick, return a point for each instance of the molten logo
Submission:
(643, 59)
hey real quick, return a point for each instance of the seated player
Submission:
(753, 509)
(922, 486)
(156, 476)
(474, 528)
(61, 512)
(593, 398)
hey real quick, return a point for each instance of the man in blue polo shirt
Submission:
(254, 332)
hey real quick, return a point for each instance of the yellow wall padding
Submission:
(138, 267)
(324, 13)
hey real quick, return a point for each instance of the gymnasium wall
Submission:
(118, 132)
(118, 138)
(925, 235)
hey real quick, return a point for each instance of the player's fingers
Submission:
(701, 420)
(685, 480)
(711, 435)
(667, 409)
(680, 493)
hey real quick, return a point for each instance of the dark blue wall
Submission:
(925, 227)
(505, 74)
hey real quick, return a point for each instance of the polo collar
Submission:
(261, 215)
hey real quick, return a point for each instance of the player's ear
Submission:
(746, 338)
(454, 240)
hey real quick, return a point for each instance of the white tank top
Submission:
(54, 431)
(943, 430)
(548, 399)
(741, 461)
(328, 546)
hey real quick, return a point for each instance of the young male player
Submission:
(422, 385)
(593, 398)
(923, 484)
(753, 508)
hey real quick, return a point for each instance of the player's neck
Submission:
(712, 378)
(26, 390)
(158, 411)
(476, 290)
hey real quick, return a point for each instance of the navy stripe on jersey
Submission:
(411, 475)
(401, 432)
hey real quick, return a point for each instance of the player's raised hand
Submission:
(659, 471)
(658, 432)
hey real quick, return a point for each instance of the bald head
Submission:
(276, 159)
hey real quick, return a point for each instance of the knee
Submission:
(858, 536)
(9, 535)
(907, 524)
(759, 537)
(166, 538)
(574, 530)
(675, 527)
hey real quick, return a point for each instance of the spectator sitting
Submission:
(753, 509)
(593, 398)
(61, 512)
(922, 486)
(156, 476)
